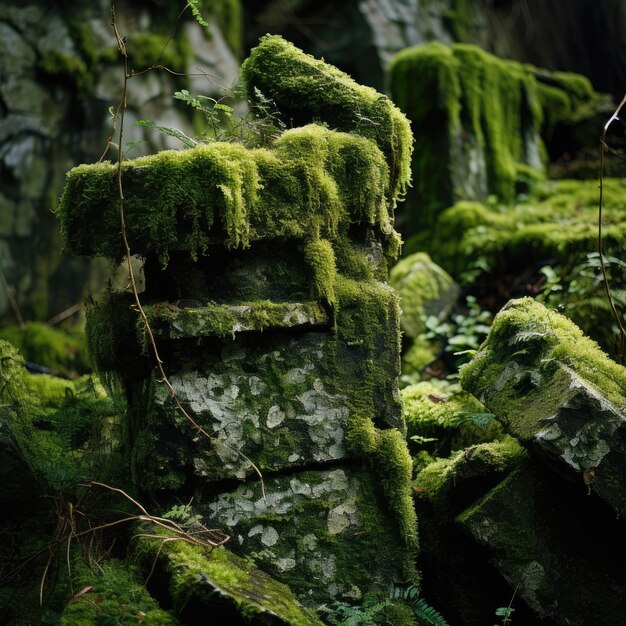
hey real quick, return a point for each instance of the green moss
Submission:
(544, 340)
(448, 91)
(320, 257)
(115, 595)
(63, 351)
(430, 412)
(443, 481)
(559, 220)
(195, 575)
(421, 354)
(147, 49)
(70, 68)
(306, 89)
(310, 184)
(425, 289)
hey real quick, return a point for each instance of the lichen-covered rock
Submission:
(319, 531)
(218, 586)
(553, 544)
(425, 289)
(558, 392)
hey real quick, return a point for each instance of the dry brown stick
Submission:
(607, 289)
(12, 302)
(63, 315)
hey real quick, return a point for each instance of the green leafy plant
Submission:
(461, 333)
(378, 612)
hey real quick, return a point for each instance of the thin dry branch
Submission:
(603, 148)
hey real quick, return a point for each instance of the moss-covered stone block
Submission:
(313, 183)
(476, 119)
(560, 549)
(306, 89)
(479, 123)
(558, 392)
(219, 585)
(425, 290)
(326, 533)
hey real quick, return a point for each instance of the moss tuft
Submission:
(305, 89)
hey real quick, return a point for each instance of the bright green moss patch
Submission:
(310, 184)
(442, 422)
(540, 340)
(443, 481)
(115, 595)
(559, 220)
(64, 352)
(305, 89)
(199, 581)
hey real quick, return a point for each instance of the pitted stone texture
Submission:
(269, 403)
(321, 532)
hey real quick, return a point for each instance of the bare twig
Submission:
(12, 302)
(603, 147)
(63, 315)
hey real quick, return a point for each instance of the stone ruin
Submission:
(266, 290)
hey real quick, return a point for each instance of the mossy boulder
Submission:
(425, 290)
(478, 122)
(558, 392)
(554, 545)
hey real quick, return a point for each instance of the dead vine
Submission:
(621, 344)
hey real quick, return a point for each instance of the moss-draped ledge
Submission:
(306, 89)
(313, 183)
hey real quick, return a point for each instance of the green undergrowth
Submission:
(62, 351)
(115, 593)
(306, 89)
(558, 221)
(65, 431)
(527, 335)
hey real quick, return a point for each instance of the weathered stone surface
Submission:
(266, 401)
(60, 74)
(561, 550)
(221, 586)
(425, 289)
(555, 390)
(320, 531)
